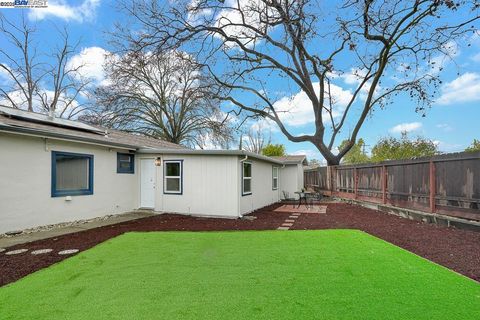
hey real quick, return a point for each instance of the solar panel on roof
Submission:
(38, 117)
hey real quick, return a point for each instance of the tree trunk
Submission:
(333, 162)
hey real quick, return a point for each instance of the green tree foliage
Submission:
(356, 154)
(475, 146)
(395, 149)
(272, 150)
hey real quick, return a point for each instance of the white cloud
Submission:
(5, 77)
(91, 61)
(476, 57)
(444, 126)
(86, 11)
(448, 147)
(355, 76)
(242, 12)
(406, 127)
(450, 50)
(64, 105)
(297, 110)
(233, 16)
(465, 88)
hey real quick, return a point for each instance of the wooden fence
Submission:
(446, 184)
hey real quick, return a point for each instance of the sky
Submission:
(452, 121)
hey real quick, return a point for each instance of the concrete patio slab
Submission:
(21, 238)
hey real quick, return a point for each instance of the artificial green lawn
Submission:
(330, 274)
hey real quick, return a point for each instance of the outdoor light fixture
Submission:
(158, 161)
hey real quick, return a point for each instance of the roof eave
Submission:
(209, 152)
(46, 134)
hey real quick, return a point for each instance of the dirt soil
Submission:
(453, 248)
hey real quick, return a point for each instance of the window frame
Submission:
(79, 192)
(275, 178)
(130, 170)
(247, 178)
(165, 177)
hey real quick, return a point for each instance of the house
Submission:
(291, 174)
(54, 170)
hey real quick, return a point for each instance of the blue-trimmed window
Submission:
(173, 176)
(125, 163)
(72, 174)
(246, 178)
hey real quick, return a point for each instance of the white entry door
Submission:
(147, 183)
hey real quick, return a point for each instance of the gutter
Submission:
(210, 152)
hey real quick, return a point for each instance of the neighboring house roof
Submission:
(213, 152)
(292, 159)
(311, 167)
(19, 121)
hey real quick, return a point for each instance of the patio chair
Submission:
(311, 198)
(286, 196)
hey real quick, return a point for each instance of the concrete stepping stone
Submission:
(283, 228)
(296, 214)
(293, 217)
(69, 251)
(1, 249)
(41, 251)
(287, 224)
(16, 252)
(289, 220)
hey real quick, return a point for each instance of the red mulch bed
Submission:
(456, 249)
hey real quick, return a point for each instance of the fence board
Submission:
(446, 184)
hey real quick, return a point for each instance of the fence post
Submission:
(333, 180)
(355, 182)
(432, 186)
(384, 184)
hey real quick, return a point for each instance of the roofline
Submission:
(46, 134)
(293, 161)
(210, 152)
(304, 157)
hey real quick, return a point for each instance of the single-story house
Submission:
(55, 170)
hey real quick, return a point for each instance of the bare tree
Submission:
(310, 45)
(163, 95)
(21, 70)
(36, 81)
(256, 138)
(67, 82)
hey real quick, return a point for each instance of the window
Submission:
(274, 178)
(247, 178)
(125, 163)
(72, 174)
(172, 173)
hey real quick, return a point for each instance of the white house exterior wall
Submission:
(262, 192)
(290, 181)
(300, 181)
(209, 186)
(25, 184)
